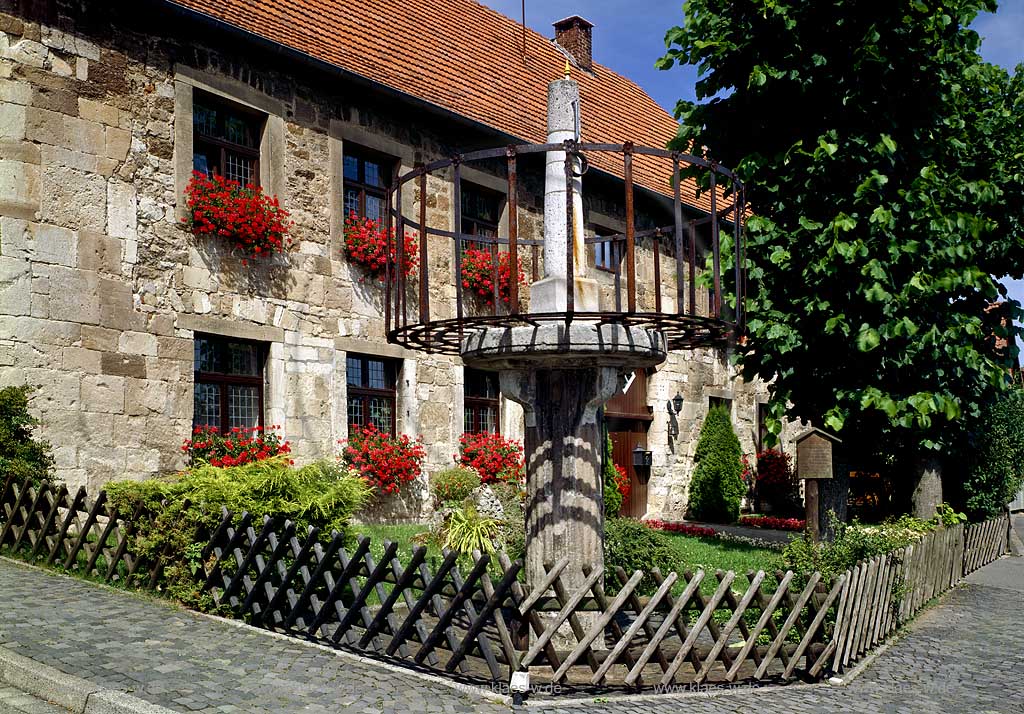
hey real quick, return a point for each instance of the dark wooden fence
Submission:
(474, 619)
(48, 524)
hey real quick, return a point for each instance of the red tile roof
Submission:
(465, 58)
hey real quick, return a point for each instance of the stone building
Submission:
(133, 330)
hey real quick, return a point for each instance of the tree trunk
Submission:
(927, 493)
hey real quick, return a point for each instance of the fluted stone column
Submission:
(564, 448)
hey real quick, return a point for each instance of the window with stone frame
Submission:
(762, 426)
(366, 176)
(607, 256)
(481, 211)
(226, 139)
(480, 403)
(723, 402)
(371, 391)
(228, 391)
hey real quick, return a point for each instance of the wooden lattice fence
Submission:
(583, 629)
(486, 624)
(46, 523)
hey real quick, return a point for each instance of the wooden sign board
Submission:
(814, 454)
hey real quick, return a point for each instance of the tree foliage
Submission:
(995, 467)
(884, 162)
(20, 454)
(717, 486)
(610, 486)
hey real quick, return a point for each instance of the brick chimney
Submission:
(574, 35)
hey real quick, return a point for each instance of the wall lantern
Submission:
(677, 402)
(642, 460)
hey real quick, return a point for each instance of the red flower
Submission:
(684, 528)
(478, 272)
(244, 446)
(254, 222)
(369, 244)
(781, 524)
(491, 456)
(384, 461)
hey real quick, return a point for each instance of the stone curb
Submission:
(79, 695)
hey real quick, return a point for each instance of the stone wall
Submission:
(102, 291)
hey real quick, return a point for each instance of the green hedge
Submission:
(995, 460)
(20, 454)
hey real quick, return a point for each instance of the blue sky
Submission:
(629, 35)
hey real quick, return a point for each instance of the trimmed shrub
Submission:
(324, 494)
(717, 485)
(631, 545)
(454, 484)
(853, 542)
(995, 458)
(20, 454)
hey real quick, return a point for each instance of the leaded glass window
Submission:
(371, 392)
(225, 139)
(228, 390)
(480, 411)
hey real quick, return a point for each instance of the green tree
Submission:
(20, 455)
(884, 162)
(717, 485)
(995, 466)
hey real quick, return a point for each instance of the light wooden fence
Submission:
(883, 593)
(581, 628)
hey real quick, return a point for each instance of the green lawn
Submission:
(713, 554)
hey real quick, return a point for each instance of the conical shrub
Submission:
(717, 485)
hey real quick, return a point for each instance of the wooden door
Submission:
(625, 436)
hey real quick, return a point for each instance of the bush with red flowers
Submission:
(368, 243)
(779, 524)
(495, 458)
(385, 461)
(254, 222)
(478, 274)
(235, 448)
(776, 484)
(622, 481)
(684, 528)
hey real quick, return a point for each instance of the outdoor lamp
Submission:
(642, 460)
(677, 402)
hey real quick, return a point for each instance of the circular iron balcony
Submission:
(408, 279)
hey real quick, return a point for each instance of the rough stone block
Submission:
(123, 365)
(146, 397)
(81, 69)
(122, 209)
(175, 348)
(20, 183)
(21, 151)
(117, 143)
(59, 66)
(103, 393)
(59, 156)
(15, 93)
(78, 359)
(13, 120)
(44, 126)
(14, 237)
(27, 52)
(53, 244)
(99, 253)
(102, 463)
(15, 286)
(99, 338)
(74, 295)
(137, 343)
(73, 198)
(83, 135)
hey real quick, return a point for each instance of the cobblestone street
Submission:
(963, 655)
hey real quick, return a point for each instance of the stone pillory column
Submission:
(562, 372)
(548, 294)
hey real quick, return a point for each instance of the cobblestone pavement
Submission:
(14, 701)
(963, 655)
